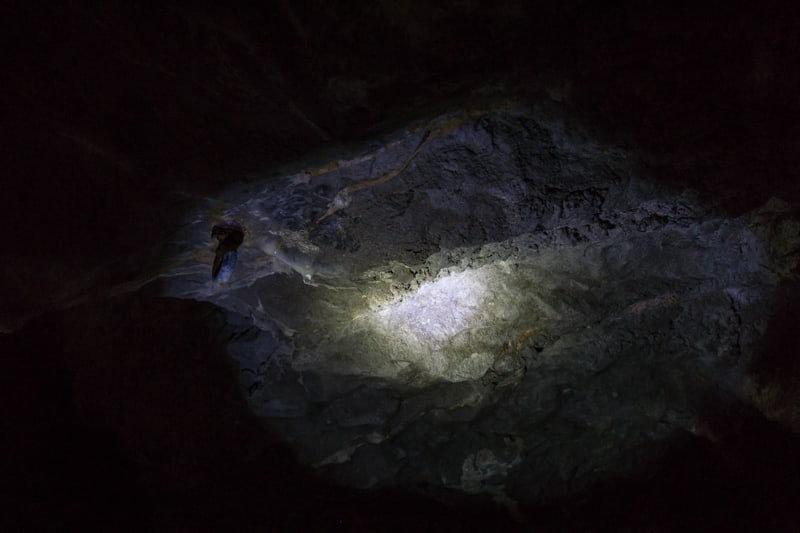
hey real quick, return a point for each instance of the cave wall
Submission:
(159, 105)
(118, 119)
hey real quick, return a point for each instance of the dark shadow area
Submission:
(138, 423)
(782, 343)
(704, 91)
(57, 468)
(744, 479)
(777, 369)
(164, 106)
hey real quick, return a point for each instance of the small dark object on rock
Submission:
(230, 235)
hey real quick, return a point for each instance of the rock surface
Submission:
(518, 312)
(616, 253)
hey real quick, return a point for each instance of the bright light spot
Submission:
(437, 311)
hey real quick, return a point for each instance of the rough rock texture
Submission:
(517, 312)
(164, 105)
(121, 122)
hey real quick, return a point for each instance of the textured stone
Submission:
(121, 117)
(515, 279)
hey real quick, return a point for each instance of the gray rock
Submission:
(515, 313)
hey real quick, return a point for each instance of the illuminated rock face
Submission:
(437, 311)
(498, 273)
(426, 328)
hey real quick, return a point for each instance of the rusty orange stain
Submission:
(515, 347)
(646, 305)
(525, 335)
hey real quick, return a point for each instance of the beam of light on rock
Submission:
(437, 311)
